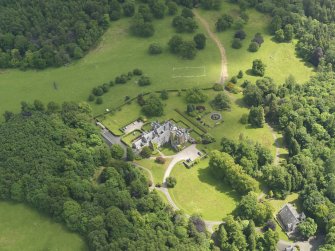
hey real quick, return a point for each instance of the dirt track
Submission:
(212, 35)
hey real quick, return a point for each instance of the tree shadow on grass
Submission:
(206, 176)
(249, 72)
(240, 103)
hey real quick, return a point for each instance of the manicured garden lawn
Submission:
(232, 128)
(22, 228)
(157, 170)
(280, 58)
(117, 53)
(198, 191)
(128, 139)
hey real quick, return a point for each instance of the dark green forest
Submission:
(306, 115)
(54, 160)
(39, 34)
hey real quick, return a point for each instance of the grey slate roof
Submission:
(289, 217)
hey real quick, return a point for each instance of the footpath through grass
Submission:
(280, 58)
(22, 228)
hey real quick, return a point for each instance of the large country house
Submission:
(161, 134)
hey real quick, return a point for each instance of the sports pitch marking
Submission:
(189, 72)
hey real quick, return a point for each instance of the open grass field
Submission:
(22, 228)
(198, 191)
(156, 169)
(280, 58)
(117, 53)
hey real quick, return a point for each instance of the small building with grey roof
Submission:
(289, 218)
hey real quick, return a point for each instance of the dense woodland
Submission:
(40, 34)
(54, 160)
(310, 21)
(306, 115)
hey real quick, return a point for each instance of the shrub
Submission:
(187, 12)
(172, 8)
(140, 27)
(207, 139)
(130, 154)
(91, 98)
(137, 72)
(200, 41)
(153, 107)
(144, 81)
(117, 151)
(240, 34)
(221, 102)
(258, 38)
(164, 95)
(175, 43)
(187, 50)
(146, 152)
(200, 108)
(171, 182)
(105, 87)
(234, 80)
(183, 24)
(245, 83)
(98, 91)
(128, 9)
(237, 43)
(253, 47)
(195, 96)
(155, 49)
(99, 101)
(258, 68)
(240, 74)
(232, 88)
(122, 79)
(244, 119)
(160, 160)
(218, 87)
(224, 22)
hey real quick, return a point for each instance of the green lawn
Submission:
(22, 228)
(117, 53)
(233, 129)
(168, 151)
(128, 139)
(157, 170)
(280, 58)
(198, 191)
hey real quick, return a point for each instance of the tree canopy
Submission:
(49, 160)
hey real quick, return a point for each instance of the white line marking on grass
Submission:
(201, 69)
